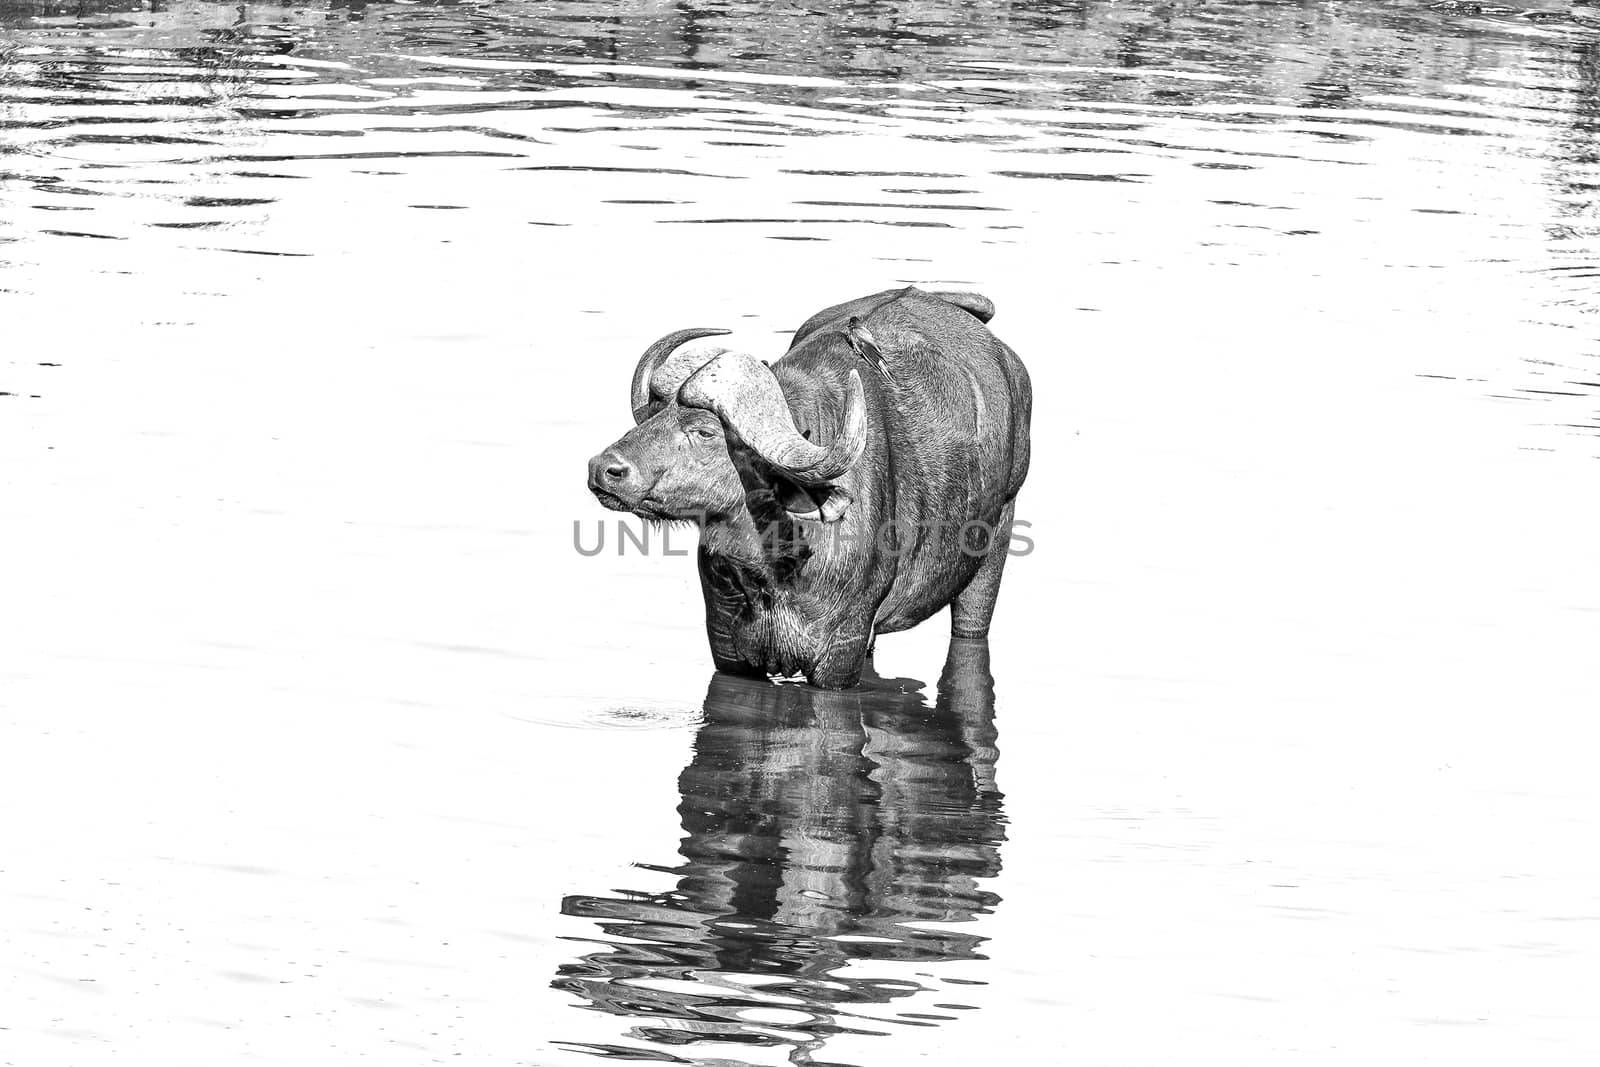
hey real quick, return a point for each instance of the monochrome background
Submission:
(320, 743)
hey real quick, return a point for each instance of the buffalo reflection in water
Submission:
(819, 825)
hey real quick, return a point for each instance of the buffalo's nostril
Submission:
(609, 470)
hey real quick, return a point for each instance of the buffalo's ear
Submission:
(826, 503)
(765, 487)
(836, 500)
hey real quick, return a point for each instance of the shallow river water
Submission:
(321, 743)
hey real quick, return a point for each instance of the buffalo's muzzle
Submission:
(614, 480)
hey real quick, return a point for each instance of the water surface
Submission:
(322, 743)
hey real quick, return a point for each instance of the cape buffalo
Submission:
(853, 487)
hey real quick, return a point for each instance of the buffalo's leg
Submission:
(724, 653)
(973, 607)
(841, 661)
(731, 665)
(725, 602)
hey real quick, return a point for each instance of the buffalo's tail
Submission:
(977, 305)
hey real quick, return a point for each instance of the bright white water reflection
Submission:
(319, 743)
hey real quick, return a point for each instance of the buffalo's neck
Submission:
(734, 543)
(763, 540)
(753, 571)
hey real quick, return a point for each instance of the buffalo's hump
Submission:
(974, 304)
(956, 407)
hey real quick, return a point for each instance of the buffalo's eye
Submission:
(705, 433)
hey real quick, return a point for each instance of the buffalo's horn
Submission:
(653, 357)
(745, 393)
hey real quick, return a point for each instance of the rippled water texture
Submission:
(321, 743)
